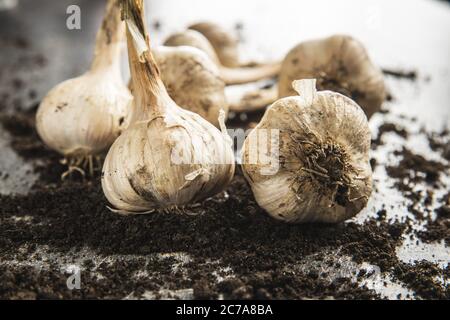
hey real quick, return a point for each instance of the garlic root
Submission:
(81, 117)
(168, 157)
(231, 73)
(318, 169)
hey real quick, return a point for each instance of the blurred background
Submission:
(402, 34)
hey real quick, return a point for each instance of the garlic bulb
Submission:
(230, 74)
(81, 117)
(225, 44)
(192, 81)
(168, 156)
(339, 63)
(317, 167)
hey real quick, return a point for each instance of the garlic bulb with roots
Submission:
(230, 74)
(81, 117)
(168, 157)
(318, 169)
(339, 63)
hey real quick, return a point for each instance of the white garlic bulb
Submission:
(339, 63)
(316, 167)
(168, 156)
(230, 74)
(192, 81)
(81, 117)
(225, 44)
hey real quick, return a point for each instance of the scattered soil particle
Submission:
(421, 277)
(440, 142)
(385, 128)
(411, 75)
(414, 168)
(439, 228)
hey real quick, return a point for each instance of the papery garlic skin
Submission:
(224, 43)
(324, 173)
(231, 75)
(81, 117)
(165, 162)
(339, 63)
(194, 39)
(168, 156)
(192, 81)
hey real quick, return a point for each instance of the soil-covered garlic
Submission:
(339, 63)
(192, 81)
(81, 117)
(168, 156)
(318, 167)
(235, 74)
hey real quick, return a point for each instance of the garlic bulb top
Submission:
(168, 156)
(231, 75)
(82, 116)
(318, 167)
(224, 43)
(192, 81)
(194, 39)
(339, 63)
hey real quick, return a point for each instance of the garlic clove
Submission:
(168, 157)
(81, 117)
(318, 167)
(339, 63)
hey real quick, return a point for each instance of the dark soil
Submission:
(385, 128)
(410, 74)
(227, 231)
(421, 277)
(262, 253)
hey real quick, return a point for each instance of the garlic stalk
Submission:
(318, 168)
(231, 73)
(168, 156)
(81, 117)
